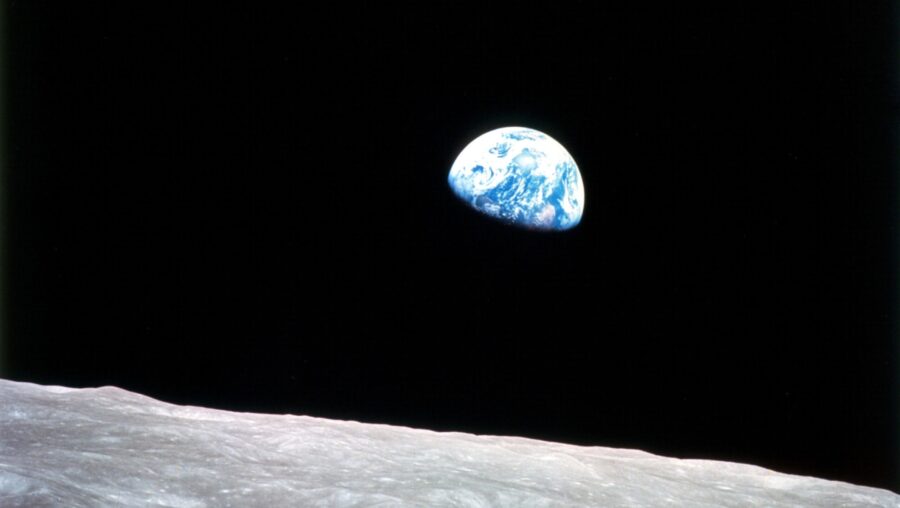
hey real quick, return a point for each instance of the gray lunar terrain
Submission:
(110, 447)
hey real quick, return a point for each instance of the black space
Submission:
(247, 208)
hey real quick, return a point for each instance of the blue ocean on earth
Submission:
(521, 176)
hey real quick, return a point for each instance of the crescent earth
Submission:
(520, 176)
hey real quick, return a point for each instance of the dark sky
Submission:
(247, 208)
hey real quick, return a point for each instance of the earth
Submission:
(521, 176)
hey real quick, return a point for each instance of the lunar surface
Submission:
(521, 176)
(109, 447)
